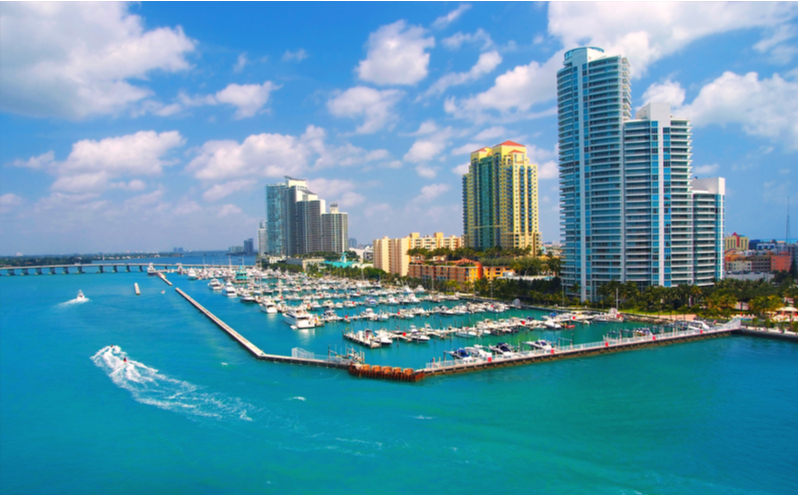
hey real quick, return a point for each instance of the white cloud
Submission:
(647, 31)
(445, 20)
(431, 192)
(227, 210)
(461, 169)
(517, 89)
(427, 148)
(219, 191)
(396, 55)
(548, 170)
(426, 171)
(764, 108)
(296, 56)
(427, 127)
(241, 63)
(480, 36)
(36, 162)
(374, 106)
(75, 60)
(8, 201)
(491, 133)
(259, 155)
(186, 208)
(249, 99)
(706, 169)
(377, 209)
(486, 63)
(467, 149)
(338, 190)
(667, 92)
(92, 165)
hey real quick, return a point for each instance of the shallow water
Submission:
(126, 394)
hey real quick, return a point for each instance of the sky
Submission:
(148, 126)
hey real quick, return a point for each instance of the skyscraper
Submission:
(334, 230)
(295, 220)
(500, 196)
(628, 208)
(262, 238)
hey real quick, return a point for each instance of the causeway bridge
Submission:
(107, 267)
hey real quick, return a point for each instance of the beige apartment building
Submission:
(390, 255)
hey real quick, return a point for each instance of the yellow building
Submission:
(391, 255)
(501, 199)
(736, 243)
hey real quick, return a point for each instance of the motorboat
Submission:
(80, 297)
(192, 274)
(151, 271)
(478, 353)
(541, 345)
(418, 337)
(215, 284)
(247, 298)
(503, 349)
(299, 319)
(461, 354)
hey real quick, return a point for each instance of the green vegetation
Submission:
(23, 261)
(330, 256)
(518, 259)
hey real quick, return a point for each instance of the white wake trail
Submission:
(148, 386)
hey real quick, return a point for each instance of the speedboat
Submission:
(418, 337)
(80, 297)
(461, 354)
(503, 349)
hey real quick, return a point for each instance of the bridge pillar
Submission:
(141, 268)
(128, 268)
(80, 269)
(38, 271)
(100, 269)
(115, 269)
(11, 271)
(25, 271)
(52, 270)
(65, 270)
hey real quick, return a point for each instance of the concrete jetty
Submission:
(255, 351)
(164, 278)
(136, 288)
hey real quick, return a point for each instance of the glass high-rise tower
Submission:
(629, 211)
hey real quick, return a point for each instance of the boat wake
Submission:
(71, 302)
(148, 386)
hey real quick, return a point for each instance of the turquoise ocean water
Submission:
(192, 412)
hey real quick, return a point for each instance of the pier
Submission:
(581, 350)
(298, 357)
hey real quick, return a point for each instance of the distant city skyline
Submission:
(140, 127)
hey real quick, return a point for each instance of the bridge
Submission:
(108, 267)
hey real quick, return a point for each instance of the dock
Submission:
(296, 358)
(164, 278)
(606, 346)
(136, 288)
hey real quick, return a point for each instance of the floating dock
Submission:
(136, 288)
(164, 278)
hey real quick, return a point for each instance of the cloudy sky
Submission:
(149, 126)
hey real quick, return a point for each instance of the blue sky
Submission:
(153, 125)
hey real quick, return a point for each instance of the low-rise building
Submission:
(736, 242)
(391, 255)
(781, 262)
(761, 263)
(464, 273)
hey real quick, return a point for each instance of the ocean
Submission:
(126, 394)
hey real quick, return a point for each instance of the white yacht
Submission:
(268, 306)
(542, 345)
(215, 284)
(192, 274)
(299, 318)
(151, 270)
(230, 290)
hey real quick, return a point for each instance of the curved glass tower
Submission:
(594, 101)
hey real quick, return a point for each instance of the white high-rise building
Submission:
(628, 208)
